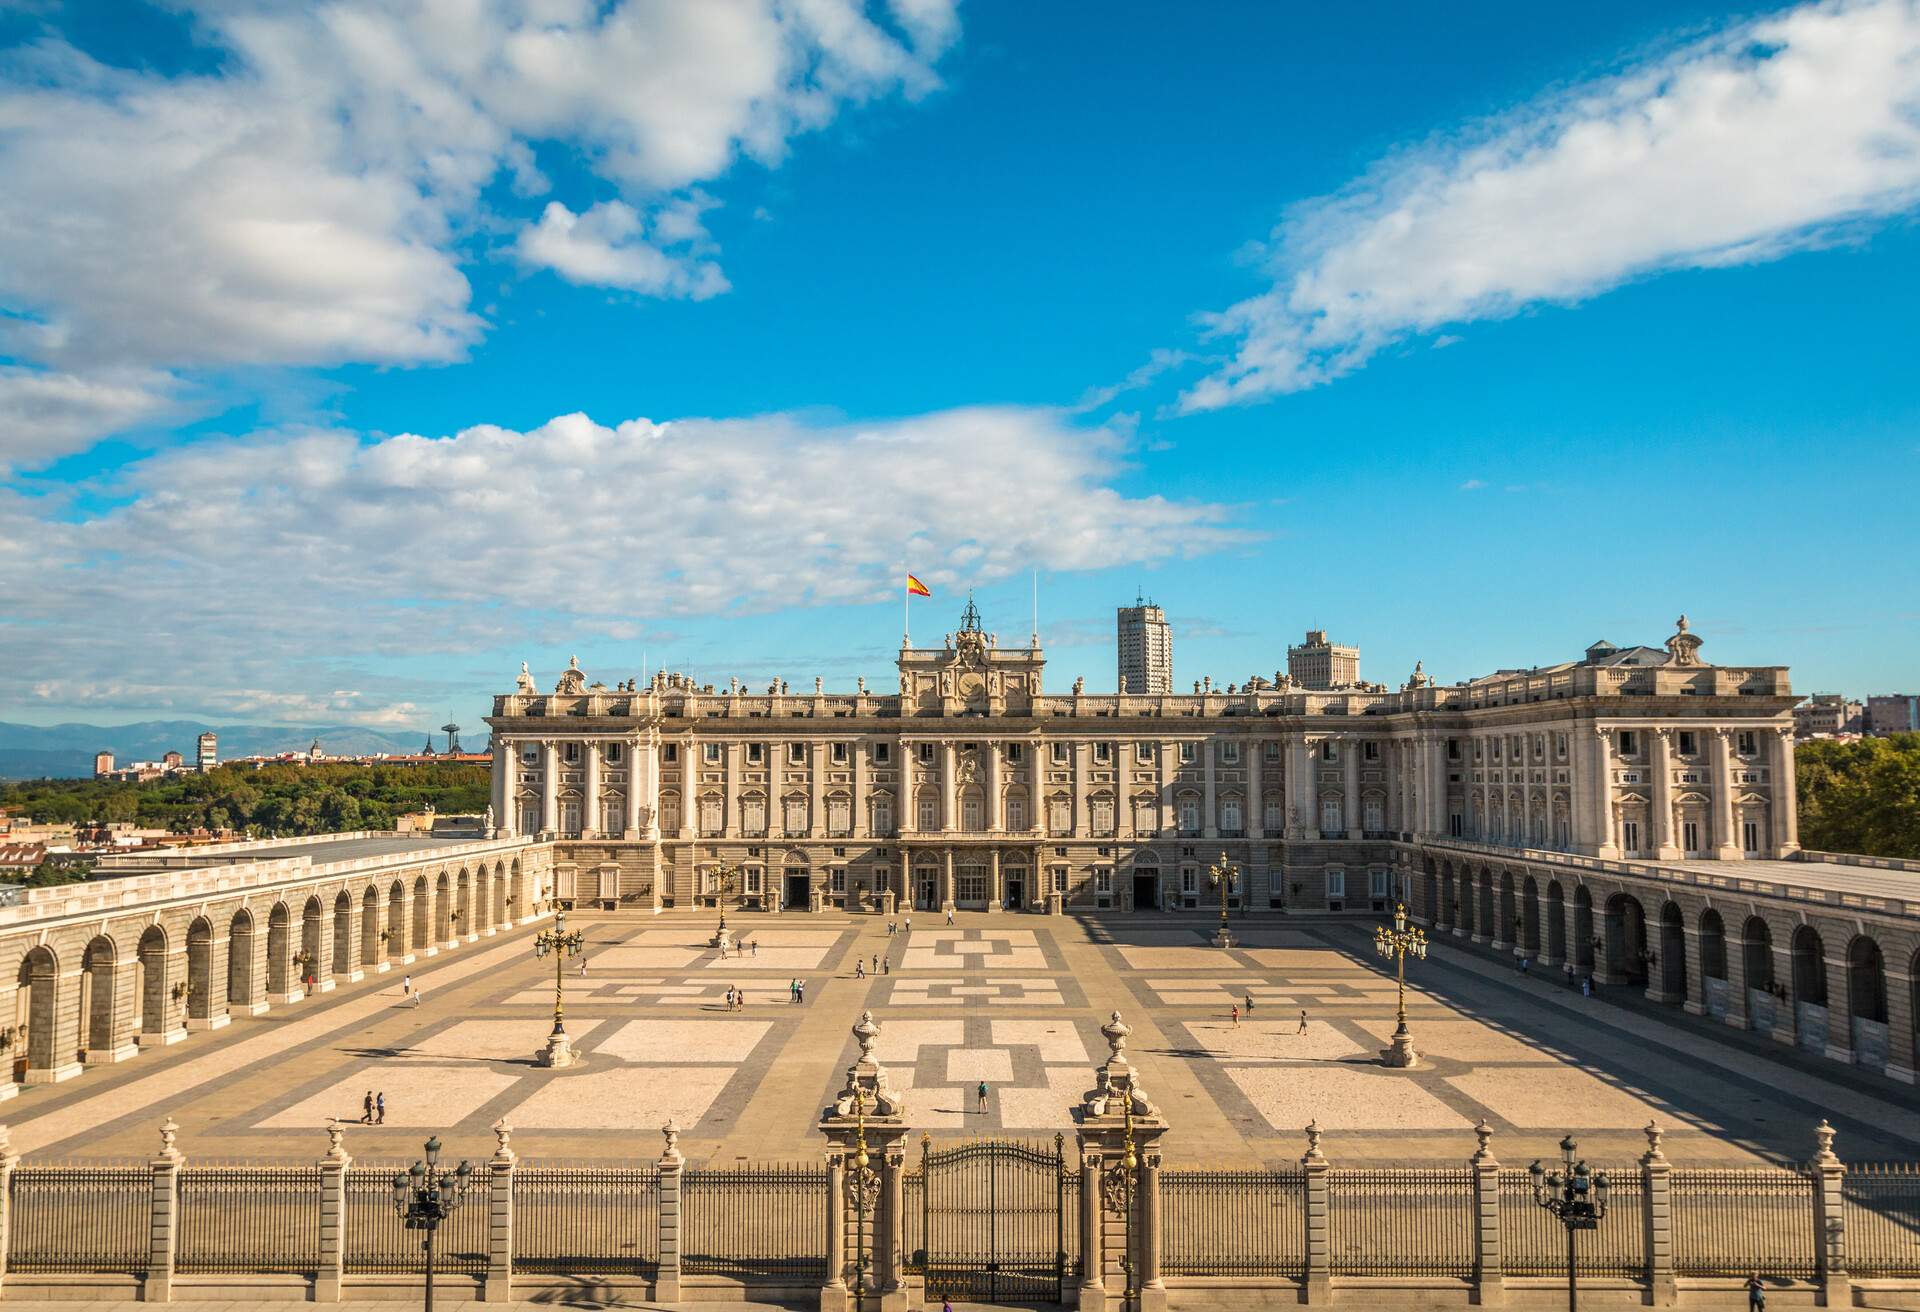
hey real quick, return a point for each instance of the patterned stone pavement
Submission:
(1015, 1001)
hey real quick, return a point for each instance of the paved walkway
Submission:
(1013, 1001)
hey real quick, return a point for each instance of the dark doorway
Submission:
(1146, 892)
(1016, 892)
(799, 893)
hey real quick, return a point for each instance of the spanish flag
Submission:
(915, 588)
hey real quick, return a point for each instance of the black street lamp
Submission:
(1576, 1196)
(425, 1195)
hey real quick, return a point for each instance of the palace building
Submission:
(974, 785)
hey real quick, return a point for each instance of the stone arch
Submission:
(1626, 940)
(1756, 954)
(1809, 966)
(1866, 980)
(420, 932)
(342, 963)
(396, 928)
(151, 954)
(312, 941)
(1673, 953)
(1556, 922)
(370, 926)
(1530, 917)
(442, 908)
(240, 960)
(97, 1028)
(1583, 936)
(36, 1011)
(200, 970)
(517, 896)
(1713, 945)
(499, 908)
(279, 951)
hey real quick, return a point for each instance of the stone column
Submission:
(860, 823)
(1601, 841)
(1785, 795)
(1298, 753)
(1093, 1291)
(333, 1216)
(1153, 1287)
(550, 786)
(639, 771)
(163, 1218)
(1317, 1170)
(1169, 769)
(1350, 789)
(730, 825)
(1036, 780)
(590, 793)
(690, 790)
(1726, 841)
(817, 791)
(867, 1116)
(1077, 823)
(996, 822)
(1122, 789)
(1661, 743)
(1489, 1269)
(666, 1287)
(1256, 818)
(776, 805)
(497, 1286)
(946, 880)
(1656, 1189)
(1209, 792)
(1829, 1221)
(506, 760)
(996, 895)
(8, 1160)
(949, 769)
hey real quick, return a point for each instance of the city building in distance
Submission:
(1893, 713)
(1146, 649)
(207, 752)
(1319, 665)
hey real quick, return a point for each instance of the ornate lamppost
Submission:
(558, 943)
(1400, 942)
(724, 880)
(1116, 1189)
(1577, 1198)
(1223, 875)
(425, 1195)
(863, 1193)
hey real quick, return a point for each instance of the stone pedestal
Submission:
(722, 939)
(1223, 937)
(1119, 1139)
(866, 1130)
(886, 902)
(558, 1051)
(1400, 1052)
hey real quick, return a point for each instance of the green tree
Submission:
(1861, 796)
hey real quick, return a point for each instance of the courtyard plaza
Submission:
(1013, 1000)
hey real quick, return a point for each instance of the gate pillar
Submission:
(866, 1131)
(1119, 1138)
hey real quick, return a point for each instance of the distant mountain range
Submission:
(65, 751)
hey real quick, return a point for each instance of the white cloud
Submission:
(1759, 141)
(312, 202)
(608, 246)
(1473, 485)
(45, 413)
(231, 563)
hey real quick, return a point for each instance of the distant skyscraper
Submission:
(1146, 649)
(1319, 664)
(207, 752)
(102, 764)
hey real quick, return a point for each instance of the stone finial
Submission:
(866, 1032)
(1314, 1155)
(1654, 1134)
(1823, 1142)
(1483, 1155)
(1115, 1031)
(336, 1140)
(503, 1141)
(670, 1132)
(169, 1131)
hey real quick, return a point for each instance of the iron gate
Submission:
(992, 1219)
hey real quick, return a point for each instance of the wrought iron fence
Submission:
(753, 1222)
(591, 1219)
(1401, 1221)
(1233, 1223)
(236, 1219)
(1734, 1222)
(1534, 1243)
(1882, 1218)
(67, 1218)
(377, 1242)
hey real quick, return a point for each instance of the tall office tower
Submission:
(1146, 649)
(1319, 664)
(207, 752)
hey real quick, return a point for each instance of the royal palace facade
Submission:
(974, 786)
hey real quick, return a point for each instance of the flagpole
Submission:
(906, 611)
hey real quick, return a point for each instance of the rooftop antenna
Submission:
(452, 731)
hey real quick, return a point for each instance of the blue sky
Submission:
(1470, 336)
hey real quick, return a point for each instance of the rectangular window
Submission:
(796, 753)
(1102, 816)
(1453, 749)
(1275, 817)
(1189, 816)
(1188, 753)
(1456, 825)
(1629, 744)
(1497, 746)
(710, 753)
(1189, 879)
(1630, 835)
(1059, 751)
(1230, 815)
(1560, 746)
(1060, 815)
(839, 753)
(570, 753)
(1690, 835)
(1371, 752)
(756, 753)
(1272, 750)
(1336, 884)
(1230, 753)
(1327, 752)
(837, 879)
(1060, 879)
(1102, 879)
(1688, 746)
(1747, 745)
(1144, 753)
(1376, 883)
(613, 753)
(753, 879)
(1013, 753)
(1749, 836)
(926, 753)
(882, 753)
(796, 816)
(1102, 753)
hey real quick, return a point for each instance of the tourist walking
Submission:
(886, 965)
(380, 1107)
(1249, 1006)
(1756, 1293)
(949, 915)
(983, 1097)
(1303, 1022)
(366, 1109)
(417, 995)
(908, 927)
(1236, 1015)
(406, 985)
(1586, 986)
(802, 987)
(859, 969)
(583, 968)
